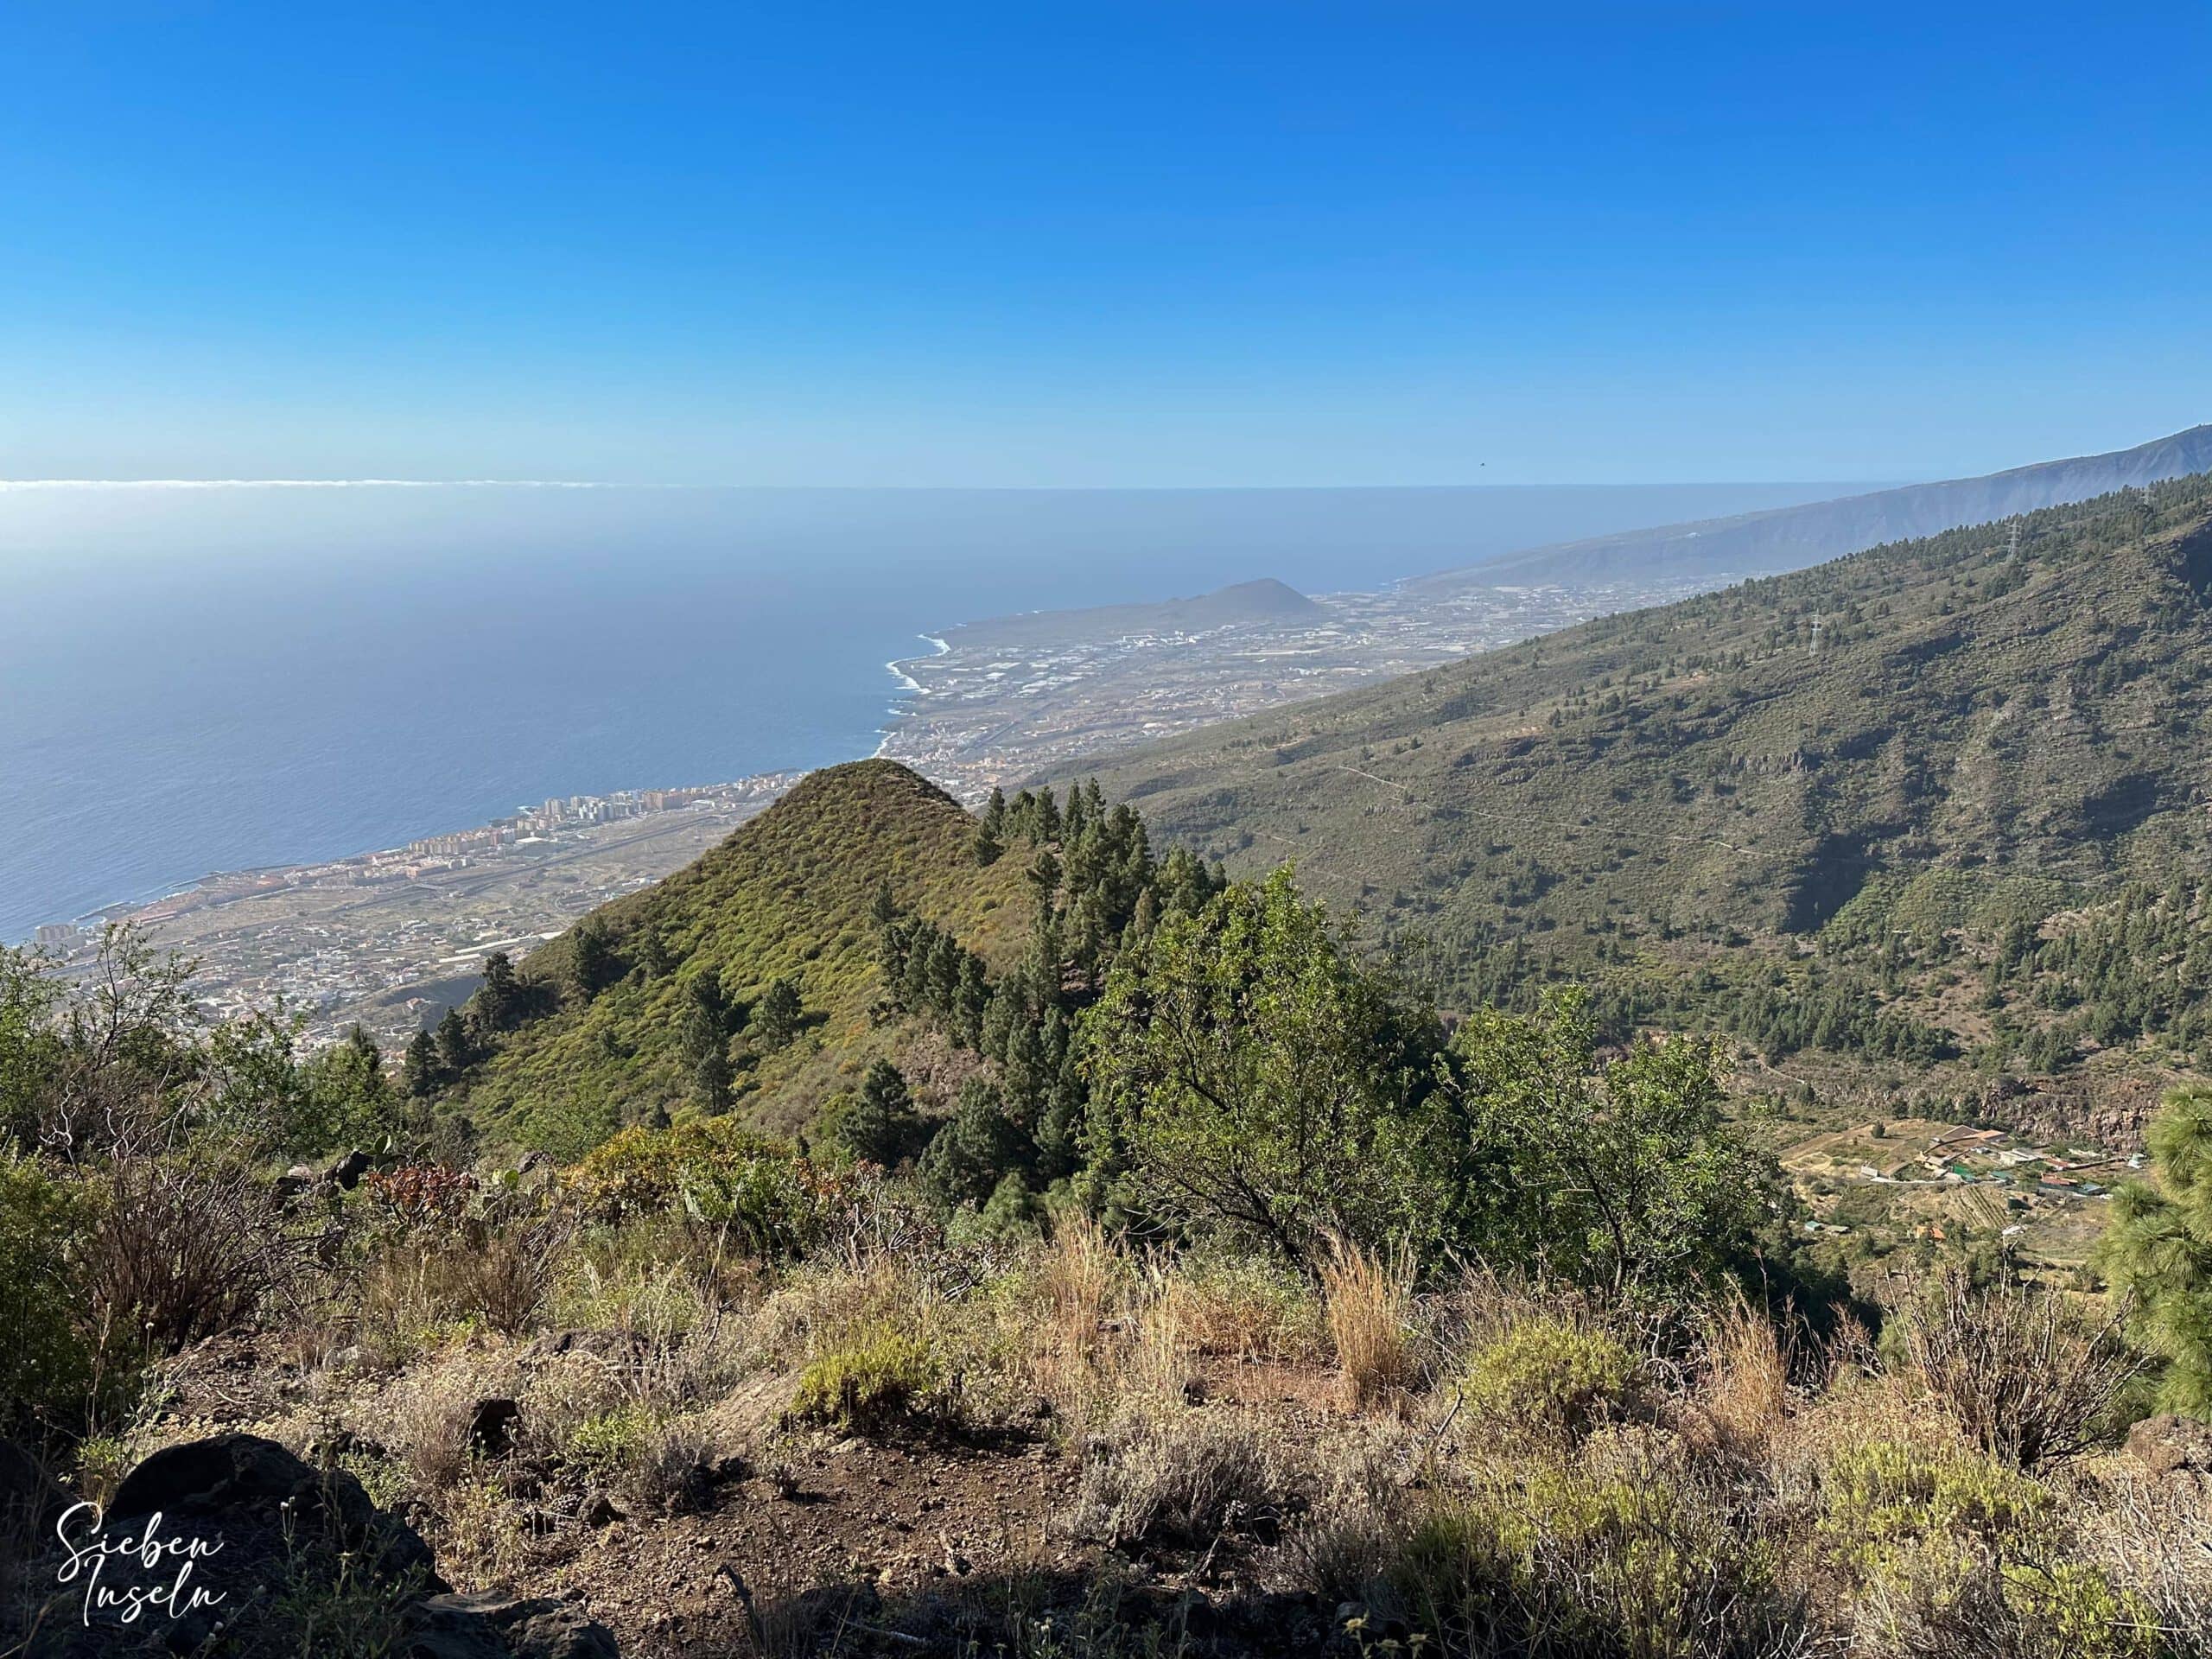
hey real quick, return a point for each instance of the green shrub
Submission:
(1561, 1562)
(1887, 1504)
(2076, 1611)
(1551, 1372)
(611, 1440)
(713, 1172)
(870, 1384)
(46, 1367)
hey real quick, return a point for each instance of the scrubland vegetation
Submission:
(1255, 1309)
(912, 1230)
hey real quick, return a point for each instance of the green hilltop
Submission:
(788, 896)
(1939, 801)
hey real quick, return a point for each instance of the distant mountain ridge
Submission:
(1244, 604)
(1792, 538)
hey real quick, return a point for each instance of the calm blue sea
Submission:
(196, 680)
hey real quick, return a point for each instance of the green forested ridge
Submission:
(1939, 800)
(752, 971)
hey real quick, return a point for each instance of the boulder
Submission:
(493, 1426)
(2168, 1444)
(263, 1517)
(253, 1516)
(502, 1627)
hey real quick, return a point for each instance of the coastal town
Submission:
(392, 938)
(1002, 703)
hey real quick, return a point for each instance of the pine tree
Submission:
(420, 1069)
(776, 1021)
(713, 1076)
(498, 1000)
(456, 1051)
(366, 1058)
(2158, 1250)
(976, 1151)
(880, 1126)
(592, 965)
(703, 1027)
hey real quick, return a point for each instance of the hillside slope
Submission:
(1719, 807)
(788, 896)
(1790, 538)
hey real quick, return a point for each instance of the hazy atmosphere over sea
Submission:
(196, 678)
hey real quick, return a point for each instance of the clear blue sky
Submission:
(1052, 243)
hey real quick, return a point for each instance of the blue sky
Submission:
(1066, 245)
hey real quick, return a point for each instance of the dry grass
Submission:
(1368, 1300)
(1496, 1452)
(1079, 1281)
(424, 1420)
(1245, 1308)
(1167, 1476)
(1744, 1394)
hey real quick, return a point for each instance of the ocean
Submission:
(203, 679)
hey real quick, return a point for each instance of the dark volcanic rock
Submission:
(267, 1520)
(497, 1627)
(492, 1426)
(259, 1534)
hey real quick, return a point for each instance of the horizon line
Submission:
(8, 485)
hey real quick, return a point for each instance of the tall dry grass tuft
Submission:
(1161, 1362)
(1081, 1272)
(1368, 1303)
(1744, 1394)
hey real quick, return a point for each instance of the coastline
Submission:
(137, 905)
(420, 849)
(908, 685)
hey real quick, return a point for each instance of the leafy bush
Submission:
(1249, 1075)
(2074, 1612)
(1625, 1177)
(607, 1441)
(1551, 1372)
(1882, 1498)
(1564, 1563)
(717, 1174)
(870, 1385)
(46, 1362)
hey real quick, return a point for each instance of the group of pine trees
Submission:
(1097, 889)
(439, 1057)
